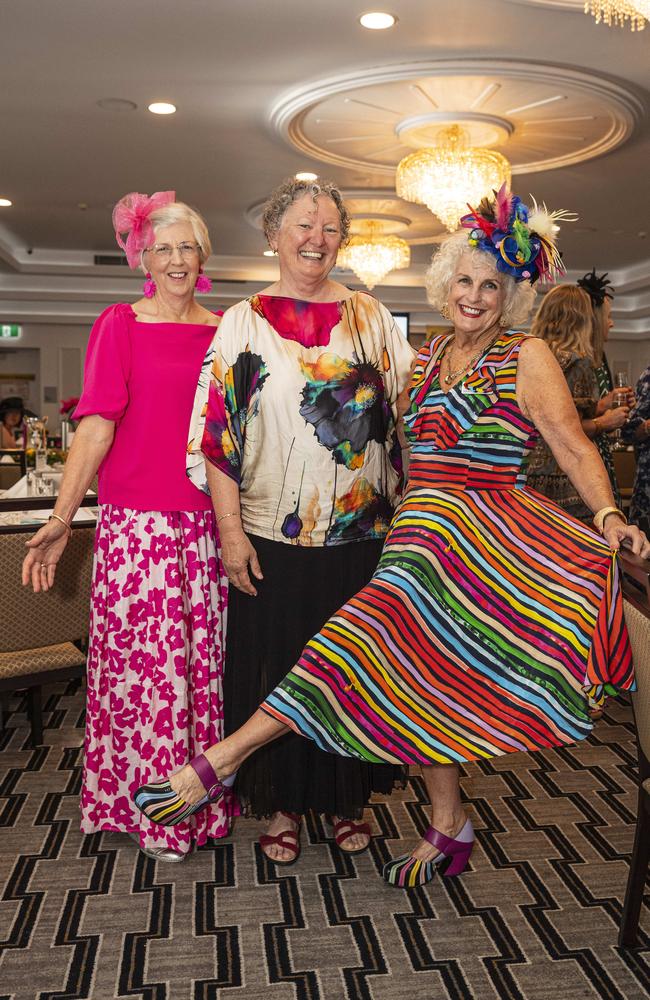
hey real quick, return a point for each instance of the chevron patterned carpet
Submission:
(536, 916)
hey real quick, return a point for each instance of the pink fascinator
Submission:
(131, 218)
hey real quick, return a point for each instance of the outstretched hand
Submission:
(45, 550)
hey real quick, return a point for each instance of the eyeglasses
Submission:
(163, 251)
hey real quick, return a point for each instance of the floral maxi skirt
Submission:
(155, 665)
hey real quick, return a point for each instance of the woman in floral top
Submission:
(295, 414)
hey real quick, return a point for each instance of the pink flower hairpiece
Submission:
(131, 217)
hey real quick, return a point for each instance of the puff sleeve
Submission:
(107, 367)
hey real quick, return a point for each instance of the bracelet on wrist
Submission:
(232, 513)
(601, 515)
(65, 523)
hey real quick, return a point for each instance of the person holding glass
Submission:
(615, 401)
(158, 596)
(565, 321)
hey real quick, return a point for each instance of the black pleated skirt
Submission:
(301, 589)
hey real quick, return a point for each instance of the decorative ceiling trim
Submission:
(568, 5)
(618, 104)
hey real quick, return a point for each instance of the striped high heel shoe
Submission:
(161, 804)
(454, 852)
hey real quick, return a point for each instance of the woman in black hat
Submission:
(12, 414)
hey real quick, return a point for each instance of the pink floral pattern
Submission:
(154, 668)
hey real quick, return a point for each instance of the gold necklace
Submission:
(451, 376)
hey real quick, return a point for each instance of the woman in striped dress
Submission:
(493, 614)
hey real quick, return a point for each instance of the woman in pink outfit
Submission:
(158, 594)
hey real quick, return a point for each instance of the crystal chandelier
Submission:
(617, 12)
(371, 254)
(449, 176)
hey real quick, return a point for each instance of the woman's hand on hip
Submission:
(616, 533)
(240, 560)
(45, 550)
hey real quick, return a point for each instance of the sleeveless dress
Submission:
(492, 613)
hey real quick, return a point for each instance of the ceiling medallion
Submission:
(450, 175)
(540, 116)
(617, 12)
(373, 252)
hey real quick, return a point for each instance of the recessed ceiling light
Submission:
(162, 108)
(305, 175)
(5, 203)
(377, 20)
(269, 253)
(116, 104)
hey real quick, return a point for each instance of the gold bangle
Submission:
(233, 513)
(66, 523)
(601, 515)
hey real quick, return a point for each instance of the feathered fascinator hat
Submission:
(131, 219)
(596, 286)
(520, 238)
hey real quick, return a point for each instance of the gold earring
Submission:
(444, 311)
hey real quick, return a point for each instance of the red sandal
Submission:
(288, 840)
(343, 829)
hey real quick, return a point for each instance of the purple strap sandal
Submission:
(408, 872)
(161, 804)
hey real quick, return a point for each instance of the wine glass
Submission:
(622, 390)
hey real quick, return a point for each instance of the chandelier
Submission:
(371, 254)
(449, 176)
(617, 12)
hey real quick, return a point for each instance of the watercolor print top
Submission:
(297, 403)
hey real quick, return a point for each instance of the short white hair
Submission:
(519, 295)
(178, 211)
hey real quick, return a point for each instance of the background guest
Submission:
(158, 600)
(637, 432)
(300, 389)
(12, 414)
(601, 293)
(565, 321)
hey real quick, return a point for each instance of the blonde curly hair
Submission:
(519, 295)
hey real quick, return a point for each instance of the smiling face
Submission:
(176, 274)
(476, 296)
(308, 239)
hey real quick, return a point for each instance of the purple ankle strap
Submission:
(205, 771)
(444, 843)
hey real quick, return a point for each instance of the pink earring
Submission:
(149, 287)
(203, 283)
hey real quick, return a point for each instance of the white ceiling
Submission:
(253, 80)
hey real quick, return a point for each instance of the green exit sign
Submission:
(10, 331)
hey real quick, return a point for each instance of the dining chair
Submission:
(13, 470)
(42, 636)
(636, 588)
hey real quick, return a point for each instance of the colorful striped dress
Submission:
(492, 613)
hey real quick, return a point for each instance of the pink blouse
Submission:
(143, 376)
